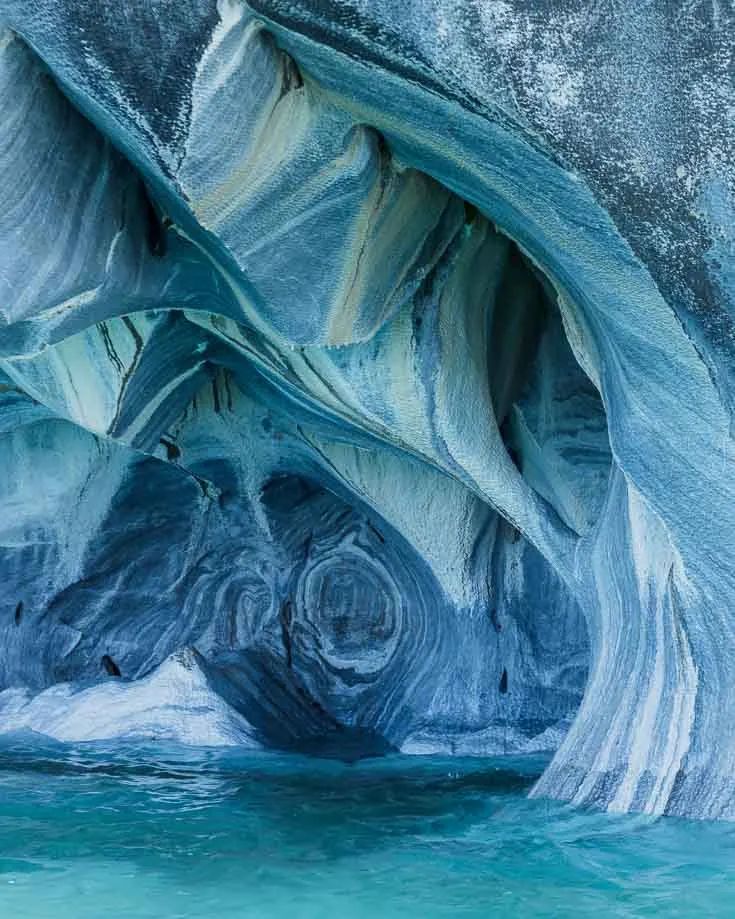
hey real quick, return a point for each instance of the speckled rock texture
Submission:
(367, 382)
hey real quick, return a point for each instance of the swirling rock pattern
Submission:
(366, 382)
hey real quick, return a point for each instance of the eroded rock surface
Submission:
(365, 382)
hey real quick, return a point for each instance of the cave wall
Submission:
(349, 396)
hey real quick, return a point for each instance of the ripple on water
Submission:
(94, 830)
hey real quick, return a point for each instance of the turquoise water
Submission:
(93, 832)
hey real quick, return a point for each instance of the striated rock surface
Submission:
(366, 382)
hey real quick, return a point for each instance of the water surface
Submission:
(172, 832)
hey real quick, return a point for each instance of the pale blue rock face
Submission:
(366, 383)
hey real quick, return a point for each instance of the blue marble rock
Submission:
(366, 382)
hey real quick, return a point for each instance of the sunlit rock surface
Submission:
(366, 382)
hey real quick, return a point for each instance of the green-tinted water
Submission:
(175, 833)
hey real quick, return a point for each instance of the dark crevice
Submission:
(215, 396)
(172, 451)
(518, 321)
(286, 618)
(157, 225)
(470, 213)
(110, 666)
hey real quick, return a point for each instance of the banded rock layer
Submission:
(352, 399)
